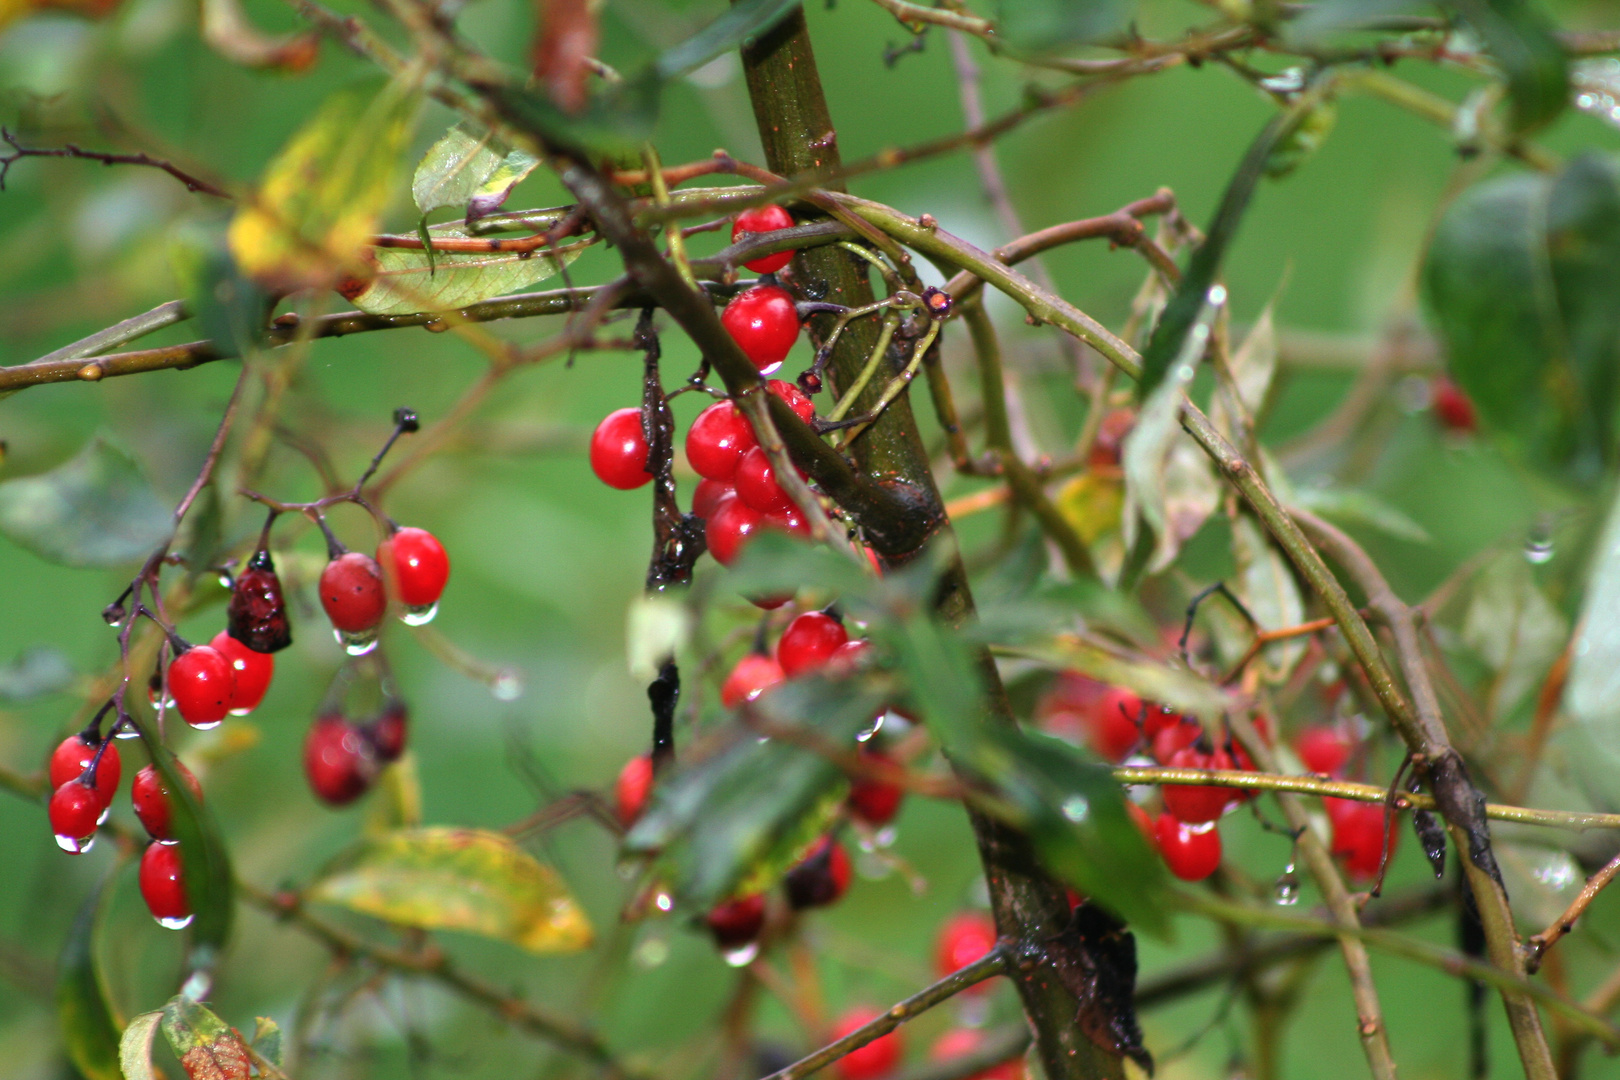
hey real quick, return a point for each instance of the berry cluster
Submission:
(231, 674)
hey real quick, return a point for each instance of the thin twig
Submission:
(19, 151)
(1540, 943)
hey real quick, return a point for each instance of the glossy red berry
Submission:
(707, 497)
(1113, 731)
(1175, 738)
(352, 592)
(717, 440)
(388, 731)
(809, 642)
(1358, 836)
(632, 789)
(820, 878)
(257, 614)
(619, 450)
(849, 656)
(754, 674)
(789, 521)
(757, 486)
(965, 937)
(202, 684)
(251, 672)
(873, 801)
(764, 323)
(877, 1058)
(737, 922)
(73, 756)
(730, 527)
(763, 219)
(337, 761)
(1192, 852)
(794, 397)
(75, 812)
(960, 1042)
(151, 800)
(163, 886)
(1324, 748)
(415, 567)
(1452, 407)
(1197, 803)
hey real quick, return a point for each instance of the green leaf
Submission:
(616, 122)
(89, 1028)
(1514, 628)
(470, 880)
(1173, 687)
(1592, 694)
(208, 1048)
(1043, 26)
(467, 163)
(232, 310)
(1519, 281)
(738, 26)
(322, 196)
(267, 1040)
(1265, 583)
(774, 562)
(1075, 814)
(135, 1047)
(38, 671)
(1352, 506)
(735, 820)
(1522, 41)
(407, 280)
(95, 510)
(205, 864)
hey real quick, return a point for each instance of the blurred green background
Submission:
(546, 560)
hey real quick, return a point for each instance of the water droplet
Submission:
(507, 685)
(176, 924)
(741, 957)
(1217, 295)
(663, 901)
(240, 712)
(209, 726)
(1538, 545)
(1141, 794)
(866, 733)
(652, 952)
(102, 820)
(76, 845)
(1075, 808)
(126, 733)
(357, 644)
(435, 326)
(226, 582)
(152, 696)
(166, 843)
(1286, 890)
(886, 836)
(420, 615)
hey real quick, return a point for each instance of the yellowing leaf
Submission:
(321, 197)
(1092, 503)
(135, 1047)
(404, 282)
(458, 879)
(208, 1048)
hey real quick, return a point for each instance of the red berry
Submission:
(257, 615)
(809, 642)
(794, 397)
(1157, 717)
(717, 440)
(708, 496)
(789, 521)
(337, 761)
(849, 656)
(202, 683)
(1113, 731)
(737, 922)
(753, 675)
(732, 524)
(75, 812)
(619, 450)
(250, 671)
(415, 567)
(1177, 737)
(764, 324)
(877, 1058)
(960, 1042)
(757, 486)
(632, 789)
(352, 592)
(1143, 822)
(1358, 835)
(1452, 407)
(876, 802)
(763, 219)
(387, 732)
(74, 755)
(162, 886)
(1192, 852)
(1111, 437)
(1324, 748)
(965, 937)
(1197, 803)
(820, 878)
(151, 799)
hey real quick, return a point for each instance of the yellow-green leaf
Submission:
(458, 879)
(208, 1048)
(321, 197)
(404, 282)
(135, 1048)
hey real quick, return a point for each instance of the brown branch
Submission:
(19, 151)
(1540, 943)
